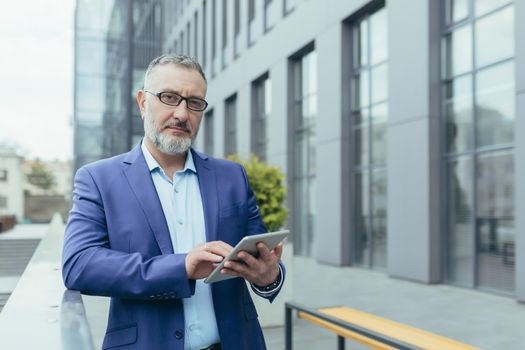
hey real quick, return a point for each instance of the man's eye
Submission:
(170, 97)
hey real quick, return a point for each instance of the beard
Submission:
(167, 143)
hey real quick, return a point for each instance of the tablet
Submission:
(248, 244)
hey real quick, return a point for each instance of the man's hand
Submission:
(260, 271)
(202, 259)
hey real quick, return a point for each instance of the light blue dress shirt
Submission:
(182, 205)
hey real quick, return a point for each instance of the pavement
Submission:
(481, 319)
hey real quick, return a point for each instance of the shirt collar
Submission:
(153, 164)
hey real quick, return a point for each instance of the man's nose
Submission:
(181, 111)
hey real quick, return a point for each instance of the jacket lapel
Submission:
(141, 184)
(208, 189)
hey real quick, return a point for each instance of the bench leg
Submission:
(340, 343)
(288, 328)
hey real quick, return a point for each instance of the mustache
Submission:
(177, 124)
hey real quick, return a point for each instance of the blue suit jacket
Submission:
(117, 244)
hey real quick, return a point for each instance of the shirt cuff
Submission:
(265, 293)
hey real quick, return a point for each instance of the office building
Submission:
(396, 123)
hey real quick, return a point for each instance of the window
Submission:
(209, 141)
(224, 32)
(196, 34)
(261, 109)
(3, 202)
(289, 6)
(230, 125)
(271, 14)
(214, 59)
(236, 29)
(478, 115)
(304, 114)
(3, 174)
(251, 22)
(369, 118)
(188, 38)
(204, 20)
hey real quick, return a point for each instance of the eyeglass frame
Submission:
(182, 98)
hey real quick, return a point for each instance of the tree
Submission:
(266, 182)
(41, 176)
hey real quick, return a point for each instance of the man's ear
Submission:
(141, 100)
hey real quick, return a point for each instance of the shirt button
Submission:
(180, 221)
(178, 335)
(176, 190)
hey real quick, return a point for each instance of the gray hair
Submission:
(178, 60)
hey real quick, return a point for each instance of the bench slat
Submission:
(395, 330)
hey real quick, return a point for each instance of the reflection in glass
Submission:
(379, 134)
(458, 51)
(90, 93)
(459, 222)
(379, 230)
(360, 90)
(483, 6)
(458, 114)
(362, 217)
(495, 37)
(379, 81)
(361, 145)
(495, 105)
(495, 221)
(456, 10)
(378, 37)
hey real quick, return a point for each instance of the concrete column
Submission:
(331, 241)
(413, 140)
(519, 141)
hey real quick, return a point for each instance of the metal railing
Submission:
(289, 307)
(41, 313)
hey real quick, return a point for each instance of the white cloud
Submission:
(36, 70)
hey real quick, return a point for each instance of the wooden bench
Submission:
(373, 331)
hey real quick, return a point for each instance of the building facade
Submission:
(114, 42)
(11, 189)
(396, 123)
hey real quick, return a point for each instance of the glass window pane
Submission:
(495, 221)
(458, 114)
(379, 80)
(484, 6)
(495, 105)
(378, 37)
(379, 134)
(361, 116)
(379, 230)
(458, 51)
(362, 217)
(361, 143)
(90, 93)
(459, 223)
(360, 44)
(495, 37)
(456, 10)
(360, 90)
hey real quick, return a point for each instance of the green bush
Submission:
(267, 183)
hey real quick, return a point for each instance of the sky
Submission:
(36, 77)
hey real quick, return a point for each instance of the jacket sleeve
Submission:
(92, 267)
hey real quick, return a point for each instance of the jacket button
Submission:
(178, 335)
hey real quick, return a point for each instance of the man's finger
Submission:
(278, 250)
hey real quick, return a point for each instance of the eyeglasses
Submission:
(173, 99)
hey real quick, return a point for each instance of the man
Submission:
(147, 226)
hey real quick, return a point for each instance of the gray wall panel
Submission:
(330, 237)
(413, 142)
(519, 139)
